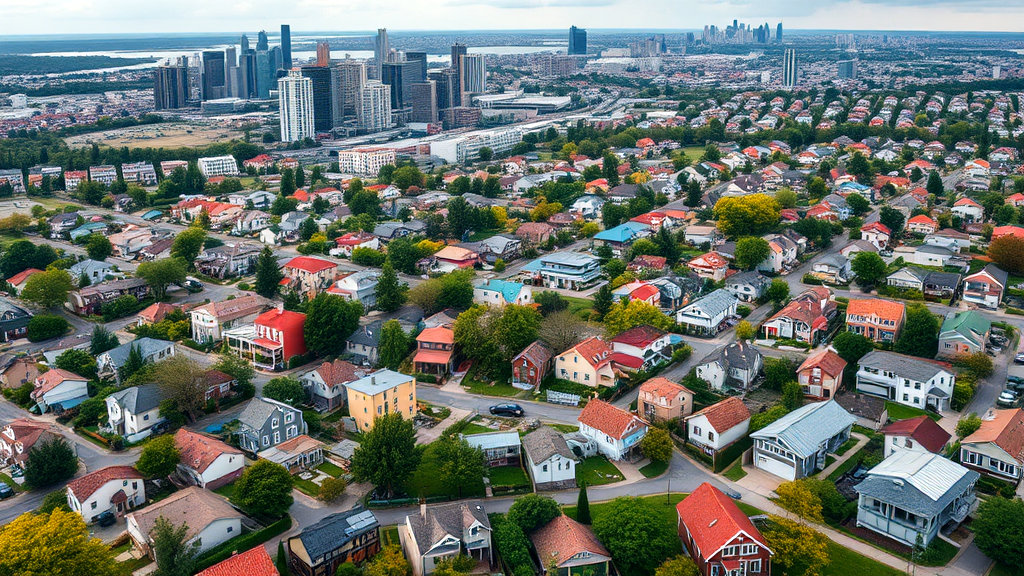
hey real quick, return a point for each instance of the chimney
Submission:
(373, 382)
(280, 308)
(423, 509)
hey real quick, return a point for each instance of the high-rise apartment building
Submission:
(262, 43)
(244, 44)
(214, 75)
(170, 86)
(351, 79)
(286, 46)
(577, 41)
(295, 96)
(423, 98)
(778, 33)
(375, 107)
(458, 51)
(324, 95)
(847, 69)
(231, 72)
(195, 78)
(474, 76)
(556, 65)
(790, 70)
(323, 53)
(447, 87)
(421, 69)
(381, 51)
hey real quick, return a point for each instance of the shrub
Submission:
(743, 311)
(46, 326)
(808, 279)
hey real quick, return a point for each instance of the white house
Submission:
(736, 364)
(906, 380)
(210, 519)
(968, 210)
(782, 253)
(134, 410)
(616, 431)
(698, 235)
(719, 425)
(797, 444)
(641, 347)
(445, 530)
(705, 315)
(110, 362)
(920, 434)
(876, 233)
(550, 462)
(207, 462)
(112, 489)
(501, 292)
(59, 389)
(995, 448)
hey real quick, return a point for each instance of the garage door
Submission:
(780, 469)
(873, 389)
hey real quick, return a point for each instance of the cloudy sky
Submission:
(113, 16)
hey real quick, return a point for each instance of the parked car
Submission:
(106, 519)
(5, 491)
(995, 349)
(511, 410)
(1007, 398)
(193, 285)
(1019, 358)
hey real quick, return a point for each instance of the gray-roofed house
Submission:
(363, 343)
(13, 321)
(94, 270)
(350, 536)
(706, 315)
(445, 530)
(906, 380)
(134, 409)
(869, 411)
(265, 423)
(834, 268)
(735, 365)
(795, 445)
(499, 448)
(550, 461)
(490, 249)
(929, 282)
(209, 517)
(913, 494)
(986, 286)
(110, 362)
(747, 286)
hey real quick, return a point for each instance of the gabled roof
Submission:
(715, 303)
(283, 320)
(227, 310)
(256, 412)
(611, 420)
(804, 429)
(640, 336)
(538, 353)
(509, 290)
(994, 272)
(883, 309)
(435, 522)
(22, 276)
(828, 361)
(545, 442)
(253, 562)
(335, 531)
(146, 346)
(909, 367)
(198, 451)
(53, 378)
(968, 324)
(193, 506)
(922, 429)
(714, 520)
(724, 415)
(921, 483)
(310, 264)
(84, 486)
(1005, 429)
(663, 387)
(563, 539)
(138, 399)
(438, 335)
(339, 372)
(594, 351)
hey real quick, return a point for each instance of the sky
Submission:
(156, 16)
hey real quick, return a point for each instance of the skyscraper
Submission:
(381, 51)
(286, 46)
(778, 33)
(474, 76)
(577, 41)
(423, 98)
(421, 58)
(790, 72)
(447, 87)
(399, 76)
(246, 75)
(170, 86)
(261, 41)
(847, 69)
(295, 96)
(351, 79)
(323, 54)
(458, 51)
(266, 74)
(195, 78)
(323, 96)
(244, 44)
(213, 75)
(375, 107)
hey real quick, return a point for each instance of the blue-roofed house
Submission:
(152, 215)
(795, 445)
(621, 237)
(87, 229)
(502, 292)
(571, 270)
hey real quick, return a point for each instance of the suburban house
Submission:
(209, 320)
(928, 282)
(155, 313)
(782, 254)
(90, 300)
(435, 351)
(968, 210)
(711, 265)
(60, 390)
(638, 290)
(532, 365)
(719, 537)
(445, 530)
(326, 383)
(19, 436)
(534, 232)
(660, 399)
(502, 292)
(499, 448)
(877, 234)
(804, 318)
(621, 237)
(382, 392)
(93, 270)
(833, 268)
(963, 333)
(997, 448)
(363, 343)
(985, 287)
(497, 247)
(450, 259)
(736, 365)
(297, 454)
(700, 235)
(794, 446)
(346, 243)
(821, 374)
(18, 371)
(308, 276)
(115, 489)
(19, 280)
(205, 461)
(717, 426)
(705, 316)
(152, 350)
(253, 562)
(234, 259)
(350, 536)
(876, 319)
(920, 433)
(913, 495)
(641, 348)
(264, 423)
(134, 410)
(274, 338)
(870, 411)
(209, 517)
(617, 432)
(569, 270)
(359, 286)
(922, 224)
(565, 546)
(549, 460)
(747, 286)
(906, 380)
(589, 362)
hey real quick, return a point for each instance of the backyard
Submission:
(597, 470)
(310, 488)
(426, 482)
(901, 412)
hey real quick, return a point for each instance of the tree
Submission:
(268, 275)
(390, 293)
(934, 185)
(920, 334)
(462, 465)
(330, 320)
(285, 389)
(796, 544)
(132, 364)
(331, 489)
(999, 529)
(77, 361)
(869, 268)
(677, 566)
(264, 489)
(550, 302)
(486, 154)
(562, 330)
(852, 347)
(746, 215)
(403, 254)
(744, 331)
(603, 299)
(634, 533)
(159, 458)
(777, 292)
(101, 341)
(1006, 251)
(46, 326)
(786, 198)
(188, 244)
(891, 218)
(387, 455)
(54, 544)
(968, 425)
(394, 345)
(50, 463)
(858, 204)
(610, 166)
(49, 288)
(346, 569)
(751, 251)
(390, 561)
(792, 396)
(978, 364)
(160, 274)
(583, 505)
(56, 500)
(657, 445)
(182, 380)
(98, 247)
(532, 512)
(174, 553)
(777, 371)
(636, 313)
(240, 370)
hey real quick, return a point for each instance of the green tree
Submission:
(934, 185)
(610, 166)
(603, 299)
(46, 326)
(636, 313)
(869, 268)
(999, 529)
(48, 289)
(183, 380)
(657, 445)
(98, 247)
(390, 293)
(101, 341)
(852, 347)
(77, 361)
(744, 330)
(159, 458)
(387, 456)
(54, 544)
(462, 465)
(792, 396)
(786, 198)
(390, 561)
(797, 544)
(50, 463)
(285, 389)
(634, 533)
(331, 489)
(858, 204)
(777, 292)
(240, 370)
(583, 505)
(1006, 251)
(967, 425)
(746, 215)
(264, 489)
(132, 364)
(920, 334)
(778, 371)
(677, 566)
(56, 500)
(175, 554)
(188, 244)
(394, 345)
(751, 251)
(330, 320)
(532, 512)
(486, 154)
(268, 275)
(891, 218)
(160, 274)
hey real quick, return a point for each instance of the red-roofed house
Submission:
(920, 434)
(876, 319)
(19, 436)
(805, 318)
(876, 233)
(570, 546)
(589, 362)
(660, 399)
(822, 211)
(273, 339)
(640, 291)
(1016, 199)
(532, 365)
(641, 347)
(309, 276)
(253, 562)
(435, 351)
(711, 265)
(349, 242)
(997, 448)
(924, 225)
(646, 263)
(821, 375)
(260, 162)
(718, 425)
(114, 488)
(456, 257)
(719, 537)
(207, 462)
(59, 388)
(616, 432)
(1007, 231)
(968, 210)
(326, 384)
(19, 279)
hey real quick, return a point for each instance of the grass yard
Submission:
(426, 482)
(846, 446)
(581, 307)
(901, 412)
(564, 428)
(499, 389)
(226, 490)
(736, 472)
(307, 487)
(654, 469)
(390, 535)
(845, 562)
(597, 470)
(473, 428)
(332, 469)
(1002, 570)
(508, 476)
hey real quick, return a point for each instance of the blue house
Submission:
(622, 236)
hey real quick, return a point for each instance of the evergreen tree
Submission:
(603, 300)
(300, 177)
(268, 275)
(391, 294)
(132, 364)
(583, 506)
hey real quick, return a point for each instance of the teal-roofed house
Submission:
(621, 237)
(87, 229)
(963, 333)
(570, 270)
(502, 292)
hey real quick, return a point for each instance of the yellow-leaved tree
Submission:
(55, 544)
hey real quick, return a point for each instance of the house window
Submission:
(277, 437)
(289, 417)
(711, 436)
(970, 457)
(146, 417)
(754, 566)
(696, 430)
(748, 549)
(274, 423)
(545, 468)
(231, 529)
(266, 440)
(906, 397)
(93, 506)
(135, 485)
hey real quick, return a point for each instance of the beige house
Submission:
(661, 399)
(821, 375)
(589, 362)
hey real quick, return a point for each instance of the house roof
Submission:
(497, 439)
(379, 381)
(594, 351)
(138, 399)
(909, 367)
(663, 387)
(310, 264)
(919, 482)
(537, 353)
(22, 276)
(509, 290)
(1005, 429)
(921, 428)
(883, 309)
(257, 411)
(146, 346)
(438, 335)
(724, 415)
(227, 310)
(198, 451)
(52, 378)
(283, 320)
(157, 312)
(828, 361)
(84, 486)
(611, 420)
(545, 442)
(563, 539)
(640, 336)
(193, 506)
(714, 303)
(339, 372)
(996, 273)
(289, 449)
(739, 355)
(27, 433)
(253, 562)
(876, 227)
(969, 324)
(714, 520)
(368, 335)
(922, 219)
(435, 522)
(455, 253)
(711, 259)
(805, 428)
(335, 531)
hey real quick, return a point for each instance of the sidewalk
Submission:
(861, 441)
(631, 472)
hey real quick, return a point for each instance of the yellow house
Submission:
(383, 392)
(589, 362)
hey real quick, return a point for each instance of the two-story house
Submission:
(705, 316)
(435, 351)
(719, 537)
(90, 300)
(906, 380)
(985, 287)
(549, 460)
(736, 365)
(326, 383)
(589, 362)
(501, 292)
(265, 423)
(445, 530)
(134, 410)
(569, 270)
(877, 234)
(616, 432)
(920, 433)
(661, 400)
(359, 286)
(963, 333)
(968, 210)
(380, 393)
(804, 318)
(363, 344)
(60, 390)
(821, 374)
(747, 286)
(711, 266)
(274, 338)
(116, 489)
(309, 276)
(717, 426)
(565, 546)
(350, 536)
(795, 445)
(641, 348)
(18, 437)
(782, 254)
(206, 461)
(346, 243)
(531, 366)
(876, 319)
(996, 449)
(152, 350)
(210, 320)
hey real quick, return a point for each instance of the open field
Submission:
(164, 135)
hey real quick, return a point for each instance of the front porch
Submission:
(264, 354)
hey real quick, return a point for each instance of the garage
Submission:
(873, 389)
(777, 467)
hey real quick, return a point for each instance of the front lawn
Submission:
(508, 476)
(846, 447)
(226, 490)
(901, 412)
(597, 470)
(565, 428)
(736, 473)
(331, 469)
(473, 428)
(653, 469)
(426, 482)
(390, 535)
(581, 307)
(499, 389)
